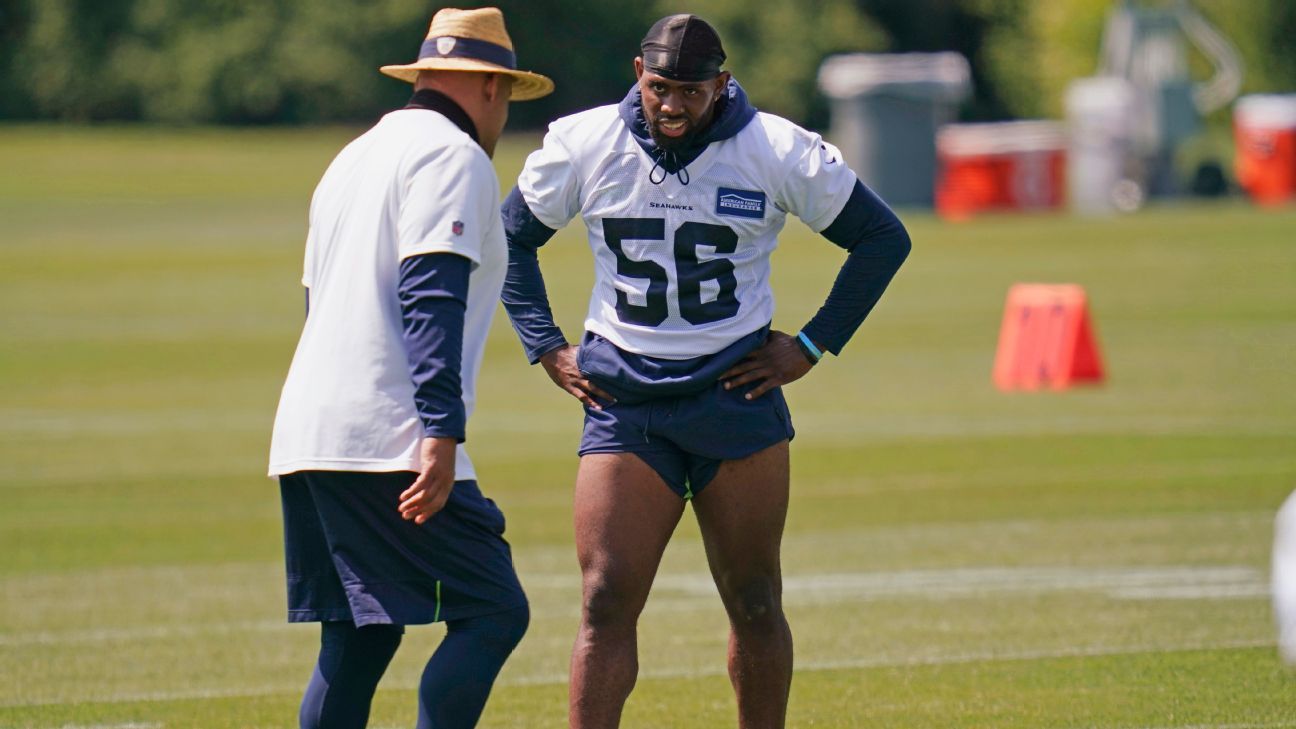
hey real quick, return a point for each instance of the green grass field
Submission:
(955, 556)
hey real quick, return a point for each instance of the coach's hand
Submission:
(429, 492)
(776, 362)
(562, 369)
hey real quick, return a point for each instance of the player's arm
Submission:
(527, 302)
(878, 244)
(545, 199)
(525, 297)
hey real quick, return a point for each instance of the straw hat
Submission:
(472, 40)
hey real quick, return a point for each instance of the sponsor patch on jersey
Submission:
(740, 203)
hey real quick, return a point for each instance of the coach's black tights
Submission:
(459, 676)
(455, 684)
(351, 660)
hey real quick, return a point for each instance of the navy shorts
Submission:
(351, 557)
(686, 438)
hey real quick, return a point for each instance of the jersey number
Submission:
(690, 270)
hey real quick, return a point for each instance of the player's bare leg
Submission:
(625, 514)
(741, 514)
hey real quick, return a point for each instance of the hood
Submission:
(734, 114)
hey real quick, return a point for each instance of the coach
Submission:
(384, 524)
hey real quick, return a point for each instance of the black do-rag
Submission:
(682, 48)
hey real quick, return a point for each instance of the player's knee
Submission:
(608, 606)
(754, 603)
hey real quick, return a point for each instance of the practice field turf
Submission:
(955, 556)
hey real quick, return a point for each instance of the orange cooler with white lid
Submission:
(1264, 130)
(1000, 166)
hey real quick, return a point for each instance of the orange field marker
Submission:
(1046, 339)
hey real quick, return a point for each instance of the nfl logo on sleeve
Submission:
(457, 227)
(740, 203)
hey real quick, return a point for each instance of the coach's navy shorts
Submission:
(350, 555)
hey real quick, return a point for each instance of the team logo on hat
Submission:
(471, 40)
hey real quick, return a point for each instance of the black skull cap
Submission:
(682, 48)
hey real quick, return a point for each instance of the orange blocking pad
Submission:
(1047, 339)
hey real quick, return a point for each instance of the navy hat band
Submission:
(473, 48)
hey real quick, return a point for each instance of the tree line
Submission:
(315, 61)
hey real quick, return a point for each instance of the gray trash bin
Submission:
(885, 112)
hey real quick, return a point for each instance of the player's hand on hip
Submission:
(429, 492)
(562, 369)
(776, 362)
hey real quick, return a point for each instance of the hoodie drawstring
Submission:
(667, 156)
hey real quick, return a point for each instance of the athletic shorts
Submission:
(684, 439)
(351, 557)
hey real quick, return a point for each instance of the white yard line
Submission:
(865, 662)
(1263, 725)
(559, 678)
(1076, 473)
(1134, 583)
(823, 427)
(157, 632)
(32, 423)
(689, 592)
(129, 725)
(830, 427)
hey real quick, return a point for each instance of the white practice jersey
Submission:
(682, 270)
(413, 184)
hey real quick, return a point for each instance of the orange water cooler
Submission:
(1264, 128)
(998, 167)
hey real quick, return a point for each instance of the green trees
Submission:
(260, 61)
(291, 61)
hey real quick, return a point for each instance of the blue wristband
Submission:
(809, 346)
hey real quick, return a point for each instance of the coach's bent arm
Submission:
(433, 295)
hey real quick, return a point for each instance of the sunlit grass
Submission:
(955, 556)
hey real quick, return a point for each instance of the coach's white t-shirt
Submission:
(682, 270)
(413, 184)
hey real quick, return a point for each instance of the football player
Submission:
(684, 187)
